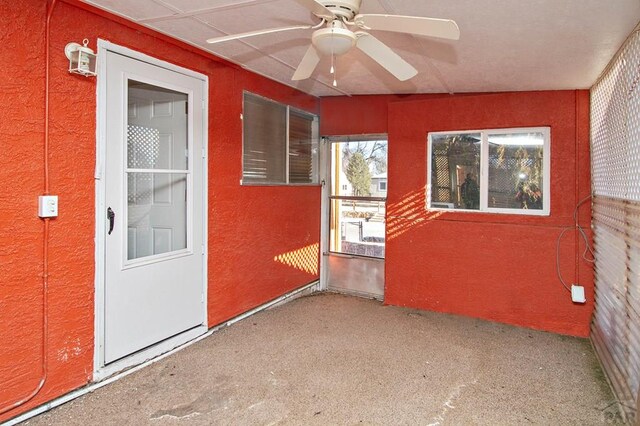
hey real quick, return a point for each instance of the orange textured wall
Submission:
(496, 267)
(262, 240)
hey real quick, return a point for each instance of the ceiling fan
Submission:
(344, 28)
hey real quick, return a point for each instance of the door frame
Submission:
(325, 180)
(100, 370)
(325, 227)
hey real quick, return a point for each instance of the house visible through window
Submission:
(500, 171)
(280, 143)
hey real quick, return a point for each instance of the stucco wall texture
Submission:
(262, 240)
(492, 266)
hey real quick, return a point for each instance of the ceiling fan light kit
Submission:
(337, 39)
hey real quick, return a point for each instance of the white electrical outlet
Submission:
(48, 206)
(577, 294)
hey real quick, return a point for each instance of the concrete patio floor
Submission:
(333, 359)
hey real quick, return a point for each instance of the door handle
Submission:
(111, 216)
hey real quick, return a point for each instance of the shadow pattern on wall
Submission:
(304, 259)
(409, 213)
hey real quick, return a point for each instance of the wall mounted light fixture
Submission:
(82, 60)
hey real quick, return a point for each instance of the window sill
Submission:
(533, 213)
(278, 184)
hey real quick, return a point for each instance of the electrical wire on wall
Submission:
(588, 254)
(45, 239)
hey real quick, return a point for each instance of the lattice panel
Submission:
(615, 127)
(143, 147)
(615, 157)
(441, 187)
(633, 66)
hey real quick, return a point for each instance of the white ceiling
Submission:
(505, 45)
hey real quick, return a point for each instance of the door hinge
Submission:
(204, 105)
(241, 116)
(204, 153)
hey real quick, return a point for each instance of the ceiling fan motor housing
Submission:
(342, 8)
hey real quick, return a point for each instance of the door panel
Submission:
(360, 276)
(154, 275)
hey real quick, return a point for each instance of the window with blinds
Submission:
(301, 148)
(280, 143)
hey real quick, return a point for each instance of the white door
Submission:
(154, 275)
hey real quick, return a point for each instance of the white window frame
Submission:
(484, 170)
(380, 187)
(315, 132)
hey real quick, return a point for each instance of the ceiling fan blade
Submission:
(256, 33)
(317, 9)
(382, 54)
(308, 64)
(430, 27)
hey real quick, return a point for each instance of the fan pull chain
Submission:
(335, 75)
(333, 68)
